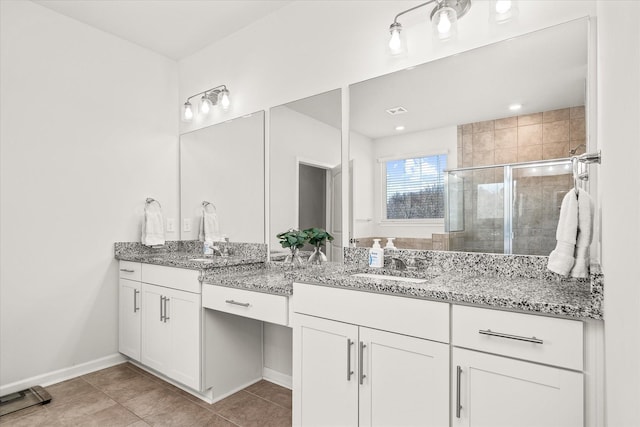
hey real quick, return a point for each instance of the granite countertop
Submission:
(566, 298)
(190, 260)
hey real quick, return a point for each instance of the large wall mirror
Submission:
(470, 152)
(305, 168)
(222, 171)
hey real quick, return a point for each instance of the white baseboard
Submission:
(63, 374)
(276, 377)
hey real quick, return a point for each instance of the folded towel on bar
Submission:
(209, 228)
(153, 225)
(573, 235)
(585, 235)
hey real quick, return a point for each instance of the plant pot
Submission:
(293, 260)
(317, 257)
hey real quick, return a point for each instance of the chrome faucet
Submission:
(398, 264)
(216, 251)
(414, 262)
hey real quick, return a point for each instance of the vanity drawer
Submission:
(130, 270)
(408, 316)
(540, 339)
(255, 305)
(181, 279)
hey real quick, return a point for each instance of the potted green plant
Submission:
(294, 240)
(317, 237)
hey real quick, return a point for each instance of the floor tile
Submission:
(34, 415)
(106, 377)
(125, 390)
(85, 406)
(68, 391)
(271, 392)
(113, 416)
(153, 401)
(249, 410)
(184, 413)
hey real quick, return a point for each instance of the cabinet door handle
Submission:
(161, 310)
(126, 270)
(135, 300)
(458, 405)
(511, 337)
(349, 371)
(243, 304)
(166, 300)
(361, 362)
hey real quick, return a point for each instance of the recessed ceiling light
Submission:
(515, 107)
(396, 110)
(399, 128)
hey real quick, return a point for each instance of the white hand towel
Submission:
(209, 228)
(561, 259)
(152, 226)
(585, 235)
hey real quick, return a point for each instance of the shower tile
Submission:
(556, 150)
(506, 156)
(486, 126)
(483, 141)
(467, 143)
(555, 132)
(483, 158)
(507, 122)
(467, 129)
(578, 129)
(577, 112)
(530, 119)
(556, 115)
(506, 138)
(530, 135)
(529, 153)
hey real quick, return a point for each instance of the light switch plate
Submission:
(186, 224)
(171, 225)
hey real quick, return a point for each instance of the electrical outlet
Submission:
(171, 225)
(186, 224)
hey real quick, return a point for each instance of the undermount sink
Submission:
(386, 277)
(201, 259)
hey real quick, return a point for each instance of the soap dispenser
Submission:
(390, 244)
(376, 255)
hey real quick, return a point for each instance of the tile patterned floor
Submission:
(125, 395)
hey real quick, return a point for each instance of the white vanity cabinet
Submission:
(129, 294)
(511, 380)
(160, 320)
(349, 372)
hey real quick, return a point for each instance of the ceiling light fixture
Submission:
(399, 128)
(444, 18)
(218, 95)
(515, 107)
(503, 10)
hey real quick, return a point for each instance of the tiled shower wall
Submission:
(539, 136)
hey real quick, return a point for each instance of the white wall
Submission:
(619, 138)
(88, 132)
(429, 142)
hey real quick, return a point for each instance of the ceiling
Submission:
(173, 28)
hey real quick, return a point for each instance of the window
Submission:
(415, 188)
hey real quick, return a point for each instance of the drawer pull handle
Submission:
(511, 337)
(349, 371)
(166, 300)
(458, 405)
(126, 270)
(161, 311)
(135, 300)
(243, 304)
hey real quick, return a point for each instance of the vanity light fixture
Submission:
(218, 95)
(444, 18)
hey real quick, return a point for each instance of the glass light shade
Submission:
(396, 41)
(223, 98)
(503, 10)
(445, 23)
(205, 104)
(187, 112)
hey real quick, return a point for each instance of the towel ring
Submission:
(150, 200)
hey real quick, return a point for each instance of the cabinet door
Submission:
(183, 318)
(496, 391)
(129, 318)
(155, 330)
(404, 380)
(325, 372)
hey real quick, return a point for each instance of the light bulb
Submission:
(205, 104)
(224, 99)
(444, 25)
(395, 42)
(187, 112)
(503, 6)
